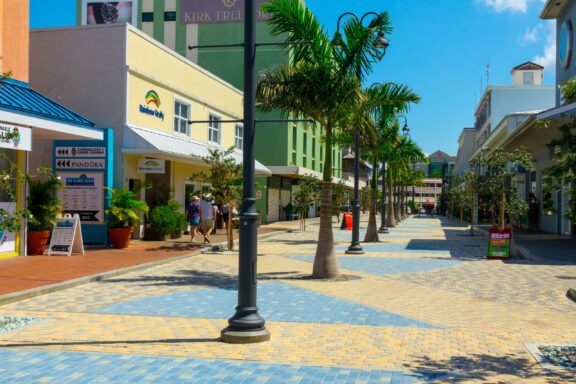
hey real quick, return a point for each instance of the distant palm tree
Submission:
(385, 101)
(321, 83)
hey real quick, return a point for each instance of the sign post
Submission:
(499, 243)
(86, 170)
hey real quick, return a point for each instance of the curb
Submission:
(39, 291)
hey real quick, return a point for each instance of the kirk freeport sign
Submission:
(217, 11)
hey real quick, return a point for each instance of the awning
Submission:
(531, 136)
(294, 171)
(20, 105)
(148, 142)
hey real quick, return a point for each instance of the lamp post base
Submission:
(354, 250)
(231, 336)
(383, 230)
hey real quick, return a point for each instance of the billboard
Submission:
(109, 12)
(216, 11)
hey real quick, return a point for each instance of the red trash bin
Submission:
(348, 220)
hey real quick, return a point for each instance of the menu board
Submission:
(499, 243)
(83, 195)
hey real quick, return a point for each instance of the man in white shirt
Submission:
(207, 216)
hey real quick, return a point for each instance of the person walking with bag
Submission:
(193, 216)
(207, 216)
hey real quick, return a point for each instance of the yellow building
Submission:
(121, 78)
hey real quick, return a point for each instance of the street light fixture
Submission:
(382, 44)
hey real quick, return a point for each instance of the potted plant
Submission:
(168, 220)
(289, 209)
(43, 206)
(124, 211)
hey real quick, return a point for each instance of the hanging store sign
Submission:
(217, 11)
(151, 166)
(18, 138)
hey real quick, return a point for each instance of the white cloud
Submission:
(510, 5)
(532, 35)
(548, 57)
(506, 5)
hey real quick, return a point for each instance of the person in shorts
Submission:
(207, 216)
(194, 216)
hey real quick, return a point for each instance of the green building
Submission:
(289, 150)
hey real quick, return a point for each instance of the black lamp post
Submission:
(381, 43)
(246, 326)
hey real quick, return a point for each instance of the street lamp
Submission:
(382, 44)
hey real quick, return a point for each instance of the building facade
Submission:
(298, 148)
(27, 119)
(150, 96)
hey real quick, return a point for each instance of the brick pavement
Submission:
(432, 311)
(22, 273)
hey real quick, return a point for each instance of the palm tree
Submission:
(384, 102)
(400, 158)
(321, 83)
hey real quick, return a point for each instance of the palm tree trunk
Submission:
(390, 220)
(325, 263)
(397, 213)
(372, 230)
(501, 212)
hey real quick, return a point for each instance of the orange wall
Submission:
(14, 38)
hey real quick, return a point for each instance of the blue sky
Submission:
(440, 48)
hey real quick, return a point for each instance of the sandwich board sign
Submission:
(499, 243)
(66, 236)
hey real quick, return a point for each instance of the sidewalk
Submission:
(541, 247)
(421, 306)
(27, 273)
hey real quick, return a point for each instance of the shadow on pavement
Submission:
(484, 368)
(183, 278)
(112, 342)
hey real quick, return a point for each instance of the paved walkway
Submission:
(422, 306)
(24, 273)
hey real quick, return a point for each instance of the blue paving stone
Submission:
(387, 266)
(277, 302)
(393, 247)
(24, 367)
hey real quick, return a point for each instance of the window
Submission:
(214, 129)
(294, 144)
(169, 16)
(528, 78)
(314, 151)
(181, 117)
(305, 149)
(147, 17)
(239, 137)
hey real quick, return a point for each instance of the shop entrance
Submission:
(159, 188)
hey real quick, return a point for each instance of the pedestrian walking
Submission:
(193, 212)
(225, 215)
(207, 216)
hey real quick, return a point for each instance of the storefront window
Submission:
(7, 197)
